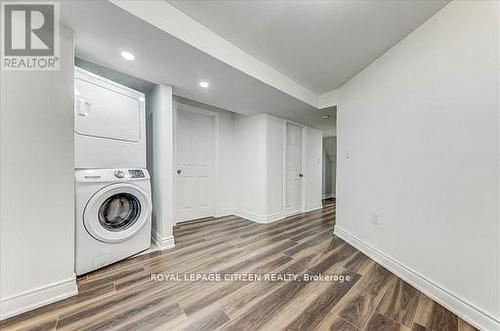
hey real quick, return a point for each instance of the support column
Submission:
(161, 163)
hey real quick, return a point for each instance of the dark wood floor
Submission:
(124, 297)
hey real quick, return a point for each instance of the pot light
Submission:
(204, 84)
(127, 55)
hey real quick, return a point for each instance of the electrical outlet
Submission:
(347, 154)
(375, 219)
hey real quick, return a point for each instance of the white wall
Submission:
(251, 158)
(36, 191)
(313, 168)
(227, 169)
(329, 166)
(250, 178)
(275, 166)
(160, 142)
(327, 175)
(421, 125)
(260, 164)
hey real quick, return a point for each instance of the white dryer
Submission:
(110, 124)
(113, 216)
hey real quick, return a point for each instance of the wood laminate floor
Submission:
(124, 297)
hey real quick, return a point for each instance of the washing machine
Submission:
(109, 123)
(113, 216)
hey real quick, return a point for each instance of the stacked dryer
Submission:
(112, 186)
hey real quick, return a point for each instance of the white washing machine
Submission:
(113, 216)
(110, 124)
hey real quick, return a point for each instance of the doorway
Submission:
(195, 163)
(293, 169)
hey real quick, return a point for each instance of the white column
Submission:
(161, 163)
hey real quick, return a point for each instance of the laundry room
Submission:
(249, 165)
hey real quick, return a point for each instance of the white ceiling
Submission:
(102, 30)
(319, 44)
(279, 56)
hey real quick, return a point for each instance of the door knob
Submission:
(179, 171)
(301, 175)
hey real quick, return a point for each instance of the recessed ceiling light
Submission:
(325, 117)
(127, 55)
(204, 84)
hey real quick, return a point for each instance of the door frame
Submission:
(303, 166)
(179, 106)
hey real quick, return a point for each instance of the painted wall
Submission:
(251, 161)
(259, 140)
(327, 175)
(275, 166)
(251, 158)
(418, 165)
(37, 190)
(227, 164)
(313, 168)
(160, 162)
(329, 166)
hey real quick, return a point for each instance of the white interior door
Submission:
(195, 165)
(293, 179)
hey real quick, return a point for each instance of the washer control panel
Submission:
(136, 173)
(110, 175)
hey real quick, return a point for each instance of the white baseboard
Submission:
(329, 195)
(262, 219)
(224, 212)
(250, 216)
(38, 297)
(163, 243)
(275, 217)
(460, 306)
(313, 207)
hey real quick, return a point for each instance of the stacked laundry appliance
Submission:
(112, 186)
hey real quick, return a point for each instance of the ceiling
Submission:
(319, 44)
(278, 58)
(132, 82)
(161, 58)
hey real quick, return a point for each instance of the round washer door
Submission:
(116, 212)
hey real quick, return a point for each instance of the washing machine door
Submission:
(117, 212)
